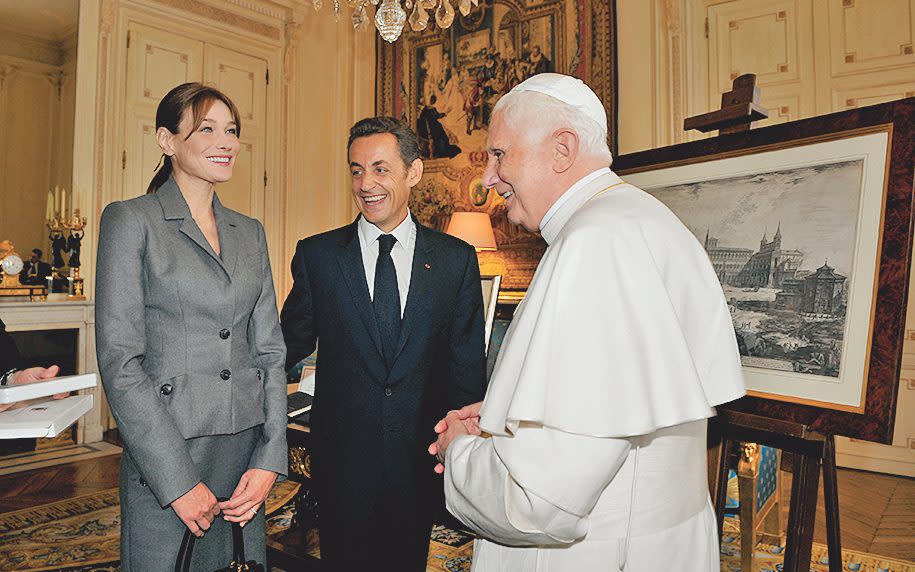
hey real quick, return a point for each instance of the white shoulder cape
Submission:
(624, 329)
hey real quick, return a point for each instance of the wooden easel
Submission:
(739, 108)
(810, 451)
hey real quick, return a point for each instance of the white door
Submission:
(244, 79)
(157, 61)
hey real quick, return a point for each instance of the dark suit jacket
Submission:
(44, 270)
(9, 353)
(372, 426)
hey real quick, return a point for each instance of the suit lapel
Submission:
(228, 237)
(420, 283)
(353, 270)
(174, 207)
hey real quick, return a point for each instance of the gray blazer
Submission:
(188, 342)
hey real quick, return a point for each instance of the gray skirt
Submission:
(151, 535)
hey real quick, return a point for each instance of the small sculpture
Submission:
(74, 243)
(58, 248)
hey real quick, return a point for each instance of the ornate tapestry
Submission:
(446, 82)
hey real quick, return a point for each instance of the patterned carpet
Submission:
(82, 535)
(451, 551)
(78, 534)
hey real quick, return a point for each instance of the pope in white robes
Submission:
(595, 457)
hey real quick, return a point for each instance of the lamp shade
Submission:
(474, 228)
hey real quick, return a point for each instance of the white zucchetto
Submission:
(569, 90)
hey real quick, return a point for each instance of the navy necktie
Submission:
(386, 299)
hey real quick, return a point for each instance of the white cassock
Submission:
(599, 399)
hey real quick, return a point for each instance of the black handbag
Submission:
(238, 564)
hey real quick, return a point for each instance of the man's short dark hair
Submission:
(407, 142)
(37, 252)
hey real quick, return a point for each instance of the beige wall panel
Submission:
(866, 35)
(904, 434)
(637, 120)
(66, 117)
(782, 109)
(871, 95)
(158, 61)
(331, 87)
(752, 37)
(26, 150)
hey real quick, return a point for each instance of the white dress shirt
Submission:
(402, 254)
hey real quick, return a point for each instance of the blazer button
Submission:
(225, 374)
(224, 334)
(388, 391)
(166, 389)
(260, 376)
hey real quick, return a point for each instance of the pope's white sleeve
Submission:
(534, 488)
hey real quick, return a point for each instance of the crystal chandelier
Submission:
(391, 16)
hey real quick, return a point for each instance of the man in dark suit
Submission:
(397, 309)
(35, 271)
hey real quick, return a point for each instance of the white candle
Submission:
(76, 198)
(64, 206)
(49, 210)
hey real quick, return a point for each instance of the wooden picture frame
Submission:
(490, 286)
(874, 238)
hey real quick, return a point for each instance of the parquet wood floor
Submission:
(876, 513)
(42, 486)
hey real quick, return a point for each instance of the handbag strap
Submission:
(185, 552)
(238, 545)
(183, 561)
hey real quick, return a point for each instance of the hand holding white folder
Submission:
(34, 385)
(30, 375)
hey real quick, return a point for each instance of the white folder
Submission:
(22, 391)
(44, 418)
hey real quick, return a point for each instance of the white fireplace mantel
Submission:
(64, 315)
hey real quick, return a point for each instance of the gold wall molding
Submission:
(275, 13)
(25, 47)
(293, 33)
(7, 71)
(674, 27)
(224, 17)
(106, 18)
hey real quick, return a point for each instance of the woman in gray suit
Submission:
(189, 347)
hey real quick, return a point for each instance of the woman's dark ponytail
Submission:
(188, 96)
(161, 176)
